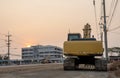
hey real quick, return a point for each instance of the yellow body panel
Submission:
(81, 48)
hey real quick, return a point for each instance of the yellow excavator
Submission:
(78, 50)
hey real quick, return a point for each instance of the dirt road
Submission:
(52, 71)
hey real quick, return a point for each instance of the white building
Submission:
(39, 53)
(115, 51)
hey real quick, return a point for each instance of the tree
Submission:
(5, 58)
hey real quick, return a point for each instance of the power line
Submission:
(2, 34)
(8, 41)
(111, 7)
(114, 28)
(94, 3)
(2, 46)
(18, 38)
(115, 33)
(101, 21)
(101, 9)
(112, 15)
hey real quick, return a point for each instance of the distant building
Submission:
(114, 53)
(39, 53)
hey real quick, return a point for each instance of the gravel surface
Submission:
(53, 72)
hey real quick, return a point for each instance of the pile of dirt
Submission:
(117, 73)
(115, 68)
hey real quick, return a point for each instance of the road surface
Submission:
(48, 71)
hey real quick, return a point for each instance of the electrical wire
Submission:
(112, 15)
(111, 8)
(5, 46)
(2, 46)
(101, 21)
(115, 33)
(114, 28)
(2, 34)
(94, 3)
(101, 9)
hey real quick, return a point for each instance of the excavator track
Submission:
(101, 65)
(73, 64)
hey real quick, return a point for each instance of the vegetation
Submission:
(3, 57)
(115, 68)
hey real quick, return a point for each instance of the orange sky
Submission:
(47, 22)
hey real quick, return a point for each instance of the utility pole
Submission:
(105, 31)
(8, 44)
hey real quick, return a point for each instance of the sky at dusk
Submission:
(47, 22)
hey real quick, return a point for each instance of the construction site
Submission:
(82, 56)
(79, 61)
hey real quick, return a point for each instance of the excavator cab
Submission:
(73, 36)
(77, 37)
